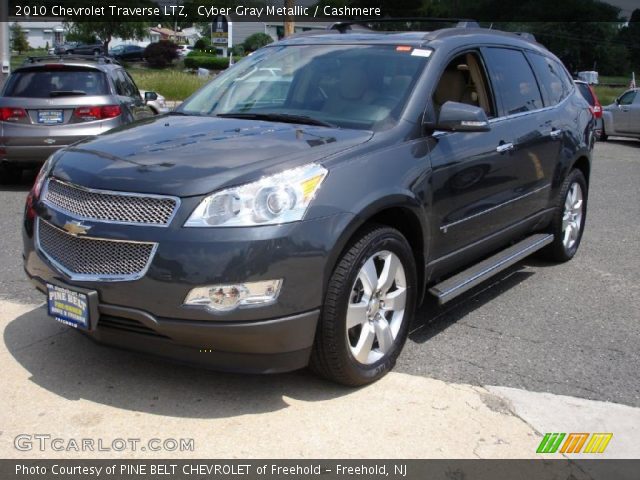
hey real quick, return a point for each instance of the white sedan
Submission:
(158, 105)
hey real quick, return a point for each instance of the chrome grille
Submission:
(109, 206)
(87, 258)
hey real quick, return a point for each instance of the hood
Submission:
(188, 155)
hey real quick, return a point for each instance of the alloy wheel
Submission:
(376, 307)
(572, 216)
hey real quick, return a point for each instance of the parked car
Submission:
(159, 105)
(51, 102)
(184, 50)
(595, 107)
(300, 219)
(127, 52)
(79, 49)
(61, 48)
(622, 118)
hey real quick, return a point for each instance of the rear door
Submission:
(536, 134)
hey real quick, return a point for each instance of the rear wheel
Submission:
(368, 307)
(567, 225)
(603, 135)
(10, 175)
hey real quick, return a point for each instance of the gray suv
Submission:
(51, 102)
(298, 208)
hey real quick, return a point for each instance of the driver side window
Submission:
(464, 80)
(627, 98)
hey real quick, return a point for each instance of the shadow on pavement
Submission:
(23, 184)
(72, 366)
(432, 319)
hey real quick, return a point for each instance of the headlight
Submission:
(272, 200)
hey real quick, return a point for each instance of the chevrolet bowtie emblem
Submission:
(76, 228)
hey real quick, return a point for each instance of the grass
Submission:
(172, 84)
(607, 95)
(615, 80)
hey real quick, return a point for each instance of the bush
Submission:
(256, 41)
(160, 54)
(199, 60)
(202, 44)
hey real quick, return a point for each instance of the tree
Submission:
(19, 40)
(104, 31)
(256, 41)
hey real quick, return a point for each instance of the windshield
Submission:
(39, 83)
(350, 86)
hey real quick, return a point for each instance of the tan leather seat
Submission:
(452, 87)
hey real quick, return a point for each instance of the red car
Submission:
(595, 107)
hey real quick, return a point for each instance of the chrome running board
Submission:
(469, 278)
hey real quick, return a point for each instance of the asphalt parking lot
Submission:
(570, 329)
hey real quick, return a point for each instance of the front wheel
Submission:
(368, 307)
(567, 225)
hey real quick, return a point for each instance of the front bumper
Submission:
(148, 314)
(270, 346)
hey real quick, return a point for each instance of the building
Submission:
(43, 34)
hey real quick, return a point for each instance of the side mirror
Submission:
(150, 96)
(462, 117)
(618, 101)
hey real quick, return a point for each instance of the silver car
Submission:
(51, 102)
(622, 118)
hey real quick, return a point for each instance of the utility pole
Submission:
(289, 25)
(5, 49)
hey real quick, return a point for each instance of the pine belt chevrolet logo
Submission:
(574, 442)
(76, 228)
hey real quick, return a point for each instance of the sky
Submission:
(627, 6)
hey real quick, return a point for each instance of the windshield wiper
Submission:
(278, 117)
(66, 93)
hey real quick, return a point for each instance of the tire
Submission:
(567, 236)
(603, 136)
(379, 330)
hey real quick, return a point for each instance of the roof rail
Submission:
(526, 35)
(48, 58)
(345, 27)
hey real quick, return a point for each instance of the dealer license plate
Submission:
(50, 117)
(68, 307)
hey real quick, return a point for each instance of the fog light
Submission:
(223, 298)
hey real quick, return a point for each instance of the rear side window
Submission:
(56, 83)
(124, 84)
(553, 80)
(513, 80)
(584, 89)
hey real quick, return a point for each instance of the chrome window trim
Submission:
(87, 277)
(444, 228)
(57, 208)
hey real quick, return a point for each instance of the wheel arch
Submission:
(401, 212)
(583, 164)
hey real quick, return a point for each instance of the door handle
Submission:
(555, 133)
(504, 147)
